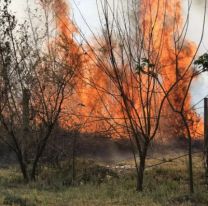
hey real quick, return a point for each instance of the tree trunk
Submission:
(34, 167)
(39, 153)
(25, 133)
(74, 159)
(140, 172)
(23, 168)
(191, 179)
(25, 123)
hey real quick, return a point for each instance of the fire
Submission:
(164, 21)
(93, 108)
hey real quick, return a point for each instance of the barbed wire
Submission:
(198, 102)
(171, 160)
(162, 161)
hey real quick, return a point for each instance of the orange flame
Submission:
(163, 31)
(161, 26)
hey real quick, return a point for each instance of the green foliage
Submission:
(202, 61)
(144, 63)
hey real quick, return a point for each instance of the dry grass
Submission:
(164, 185)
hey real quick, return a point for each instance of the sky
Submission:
(88, 9)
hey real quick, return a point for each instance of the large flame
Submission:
(163, 31)
(93, 108)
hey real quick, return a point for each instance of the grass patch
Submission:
(98, 185)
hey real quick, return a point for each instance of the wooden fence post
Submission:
(206, 138)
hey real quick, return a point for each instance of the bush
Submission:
(96, 174)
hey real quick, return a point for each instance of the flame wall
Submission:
(164, 35)
(93, 107)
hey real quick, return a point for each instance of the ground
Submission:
(107, 184)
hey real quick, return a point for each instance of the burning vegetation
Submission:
(131, 82)
(134, 80)
(162, 52)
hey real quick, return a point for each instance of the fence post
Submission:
(206, 138)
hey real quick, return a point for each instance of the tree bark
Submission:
(140, 172)
(40, 150)
(74, 159)
(191, 179)
(23, 168)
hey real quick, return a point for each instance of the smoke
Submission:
(199, 4)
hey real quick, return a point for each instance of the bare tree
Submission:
(37, 75)
(146, 58)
